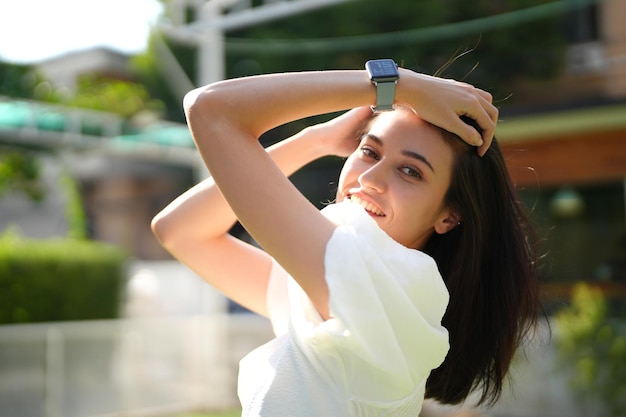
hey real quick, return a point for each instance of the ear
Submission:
(447, 221)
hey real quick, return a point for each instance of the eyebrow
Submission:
(410, 154)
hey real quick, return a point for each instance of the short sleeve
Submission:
(386, 303)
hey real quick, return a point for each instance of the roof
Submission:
(47, 126)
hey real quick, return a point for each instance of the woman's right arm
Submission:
(194, 227)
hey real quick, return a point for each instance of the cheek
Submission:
(346, 175)
(420, 211)
(341, 183)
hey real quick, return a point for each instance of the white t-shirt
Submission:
(372, 358)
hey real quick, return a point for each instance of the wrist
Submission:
(404, 89)
(296, 151)
(383, 74)
(315, 142)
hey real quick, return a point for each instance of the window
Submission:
(584, 228)
(581, 23)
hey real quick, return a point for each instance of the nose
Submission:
(375, 178)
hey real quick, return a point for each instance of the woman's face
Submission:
(400, 173)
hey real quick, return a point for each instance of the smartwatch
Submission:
(384, 75)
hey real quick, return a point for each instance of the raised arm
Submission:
(274, 99)
(194, 227)
(226, 120)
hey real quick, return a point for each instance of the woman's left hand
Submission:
(442, 102)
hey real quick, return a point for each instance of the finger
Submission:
(363, 112)
(482, 149)
(485, 94)
(486, 117)
(489, 107)
(486, 126)
(489, 133)
(357, 114)
(465, 131)
(360, 116)
(484, 105)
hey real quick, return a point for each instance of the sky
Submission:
(35, 30)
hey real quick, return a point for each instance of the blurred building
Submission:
(564, 141)
(126, 170)
(572, 132)
(65, 70)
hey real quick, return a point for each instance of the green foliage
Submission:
(17, 80)
(95, 92)
(150, 70)
(595, 347)
(58, 280)
(20, 171)
(116, 96)
(74, 212)
(530, 50)
(534, 49)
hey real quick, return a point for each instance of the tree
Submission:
(19, 165)
(18, 80)
(531, 48)
(20, 171)
(149, 71)
(592, 349)
(112, 95)
(534, 49)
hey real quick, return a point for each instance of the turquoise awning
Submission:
(18, 115)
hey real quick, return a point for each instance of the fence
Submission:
(31, 123)
(124, 367)
(185, 357)
(152, 367)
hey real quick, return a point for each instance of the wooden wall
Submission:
(573, 159)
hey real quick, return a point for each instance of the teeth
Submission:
(367, 206)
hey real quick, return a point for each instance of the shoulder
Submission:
(358, 242)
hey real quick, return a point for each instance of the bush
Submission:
(58, 280)
(593, 346)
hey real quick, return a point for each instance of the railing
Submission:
(156, 367)
(124, 367)
(30, 123)
(64, 125)
(187, 358)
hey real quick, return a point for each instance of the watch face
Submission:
(382, 69)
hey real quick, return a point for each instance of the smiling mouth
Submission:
(369, 207)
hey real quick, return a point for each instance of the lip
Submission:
(371, 207)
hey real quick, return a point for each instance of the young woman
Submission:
(421, 264)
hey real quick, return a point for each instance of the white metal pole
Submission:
(211, 57)
(55, 375)
(260, 14)
(212, 25)
(211, 42)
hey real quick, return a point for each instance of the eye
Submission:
(368, 152)
(411, 172)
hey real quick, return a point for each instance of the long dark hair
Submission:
(489, 266)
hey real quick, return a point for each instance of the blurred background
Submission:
(97, 320)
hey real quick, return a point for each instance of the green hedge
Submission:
(58, 280)
(592, 348)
